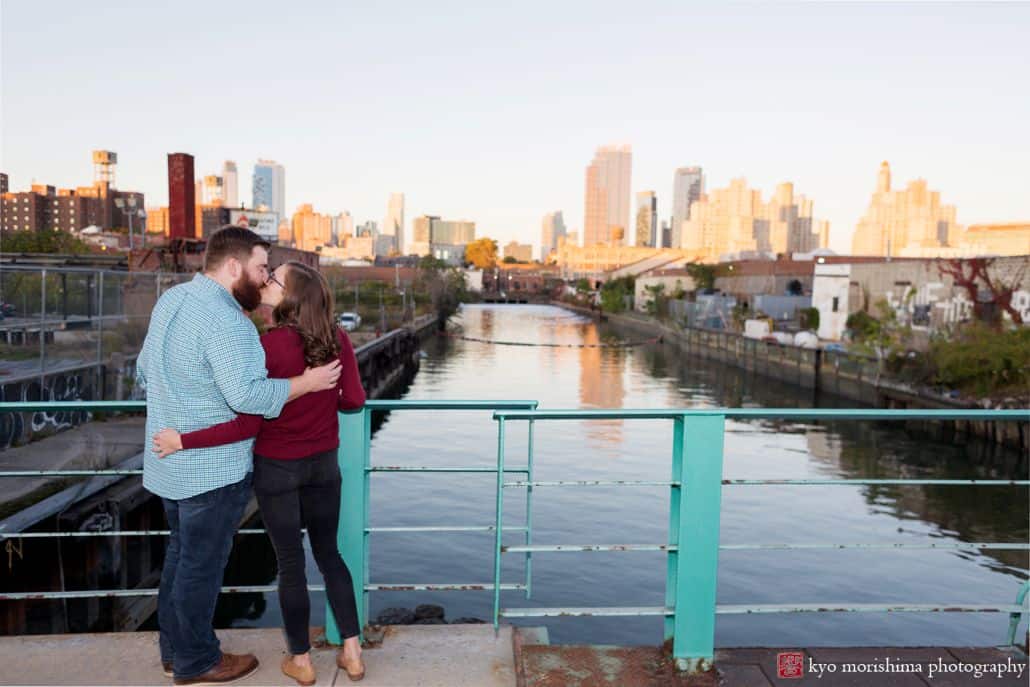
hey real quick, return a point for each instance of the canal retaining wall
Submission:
(823, 372)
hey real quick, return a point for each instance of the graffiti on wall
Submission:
(115, 380)
(936, 304)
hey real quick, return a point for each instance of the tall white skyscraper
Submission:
(230, 185)
(393, 223)
(688, 185)
(552, 229)
(606, 216)
(270, 186)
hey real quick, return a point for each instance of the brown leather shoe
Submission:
(232, 667)
(355, 669)
(303, 676)
(166, 668)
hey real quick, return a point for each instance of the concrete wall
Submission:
(916, 289)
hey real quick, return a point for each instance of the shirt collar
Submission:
(209, 286)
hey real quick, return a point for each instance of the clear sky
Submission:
(492, 113)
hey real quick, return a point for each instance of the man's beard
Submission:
(247, 293)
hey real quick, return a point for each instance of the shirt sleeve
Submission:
(238, 367)
(351, 393)
(240, 428)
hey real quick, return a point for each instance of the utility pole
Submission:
(382, 312)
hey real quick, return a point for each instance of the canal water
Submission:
(582, 375)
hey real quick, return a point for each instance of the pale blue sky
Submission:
(492, 113)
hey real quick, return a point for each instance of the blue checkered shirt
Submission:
(201, 364)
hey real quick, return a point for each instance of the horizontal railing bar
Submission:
(67, 473)
(449, 405)
(124, 406)
(417, 468)
(431, 528)
(402, 587)
(584, 611)
(588, 547)
(594, 483)
(899, 482)
(738, 609)
(109, 533)
(1020, 415)
(71, 406)
(1004, 546)
(152, 591)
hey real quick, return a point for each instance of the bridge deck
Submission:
(470, 655)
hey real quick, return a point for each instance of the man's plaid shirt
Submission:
(201, 364)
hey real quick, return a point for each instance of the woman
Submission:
(296, 475)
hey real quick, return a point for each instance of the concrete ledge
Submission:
(423, 655)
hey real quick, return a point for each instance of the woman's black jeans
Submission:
(305, 493)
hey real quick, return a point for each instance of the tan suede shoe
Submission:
(304, 676)
(355, 669)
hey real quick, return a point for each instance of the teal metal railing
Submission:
(692, 546)
(692, 549)
(356, 469)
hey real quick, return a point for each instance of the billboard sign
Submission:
(265, 224)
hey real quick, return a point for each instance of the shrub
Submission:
(983, 361)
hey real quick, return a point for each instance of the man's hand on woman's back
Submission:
(324, 377)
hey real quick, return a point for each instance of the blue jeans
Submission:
(202, 529)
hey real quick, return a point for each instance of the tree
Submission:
(703, 275)
(810, 318)
(446, 288)
(884, 337)
(973, 276)
(656, 304)
(482, 253)
(43, 242)
(614, 292)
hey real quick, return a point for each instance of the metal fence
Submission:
(70, 334)
(692, 546)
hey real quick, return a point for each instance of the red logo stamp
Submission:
(790, 664)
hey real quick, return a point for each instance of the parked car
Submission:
(6, 310)
(835, 348)
(350, 321)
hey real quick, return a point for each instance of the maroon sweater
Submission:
(307, 425)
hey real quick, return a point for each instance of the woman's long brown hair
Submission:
(307, 306)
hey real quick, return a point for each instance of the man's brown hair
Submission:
(231, 241)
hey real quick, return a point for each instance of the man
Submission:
(202, 363)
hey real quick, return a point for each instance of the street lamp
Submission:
(128, 207)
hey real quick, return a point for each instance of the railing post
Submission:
(529, 514)
(353, 457)
(499, 524)
(692, 569)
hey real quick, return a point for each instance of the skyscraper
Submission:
(553, 229)
(688, 185)
(311, 230)
(212, 190)
(270, 187)
(606, 215)
(735, 221)
(393, 224)
(181, 198)
(647, 219)
(910, 222)
(230, 185)
(343, 227)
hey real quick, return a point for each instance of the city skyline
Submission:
(805, 100)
